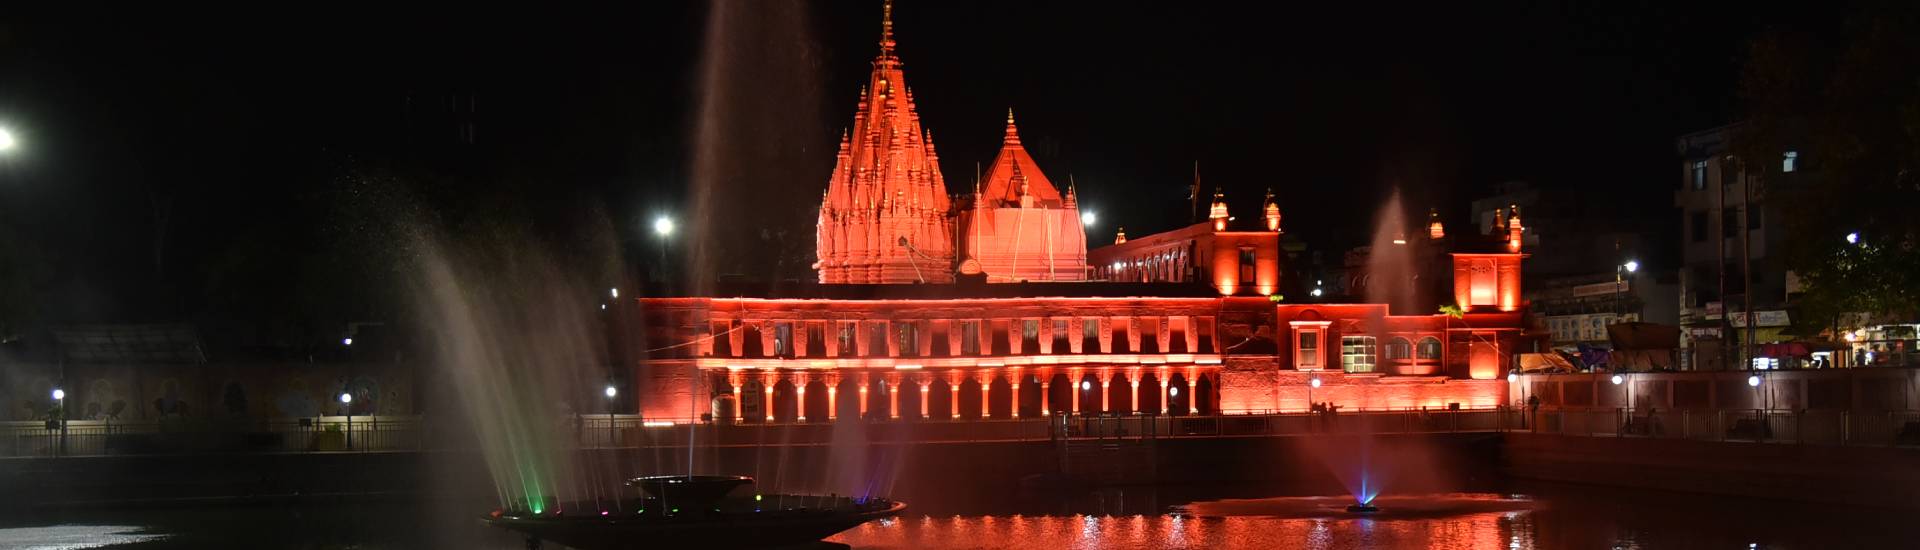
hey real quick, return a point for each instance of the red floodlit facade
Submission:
(989, 305)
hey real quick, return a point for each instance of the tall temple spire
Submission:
(886, 188)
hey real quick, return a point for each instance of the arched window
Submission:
(1400, 349)
(1429, 348)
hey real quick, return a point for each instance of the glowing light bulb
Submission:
(1753, 380)
(1617, 379)
(1087, 219)
(612, 391)
(59, 394)
(1314, 382)
(346, 397)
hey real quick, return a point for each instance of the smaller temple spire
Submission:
(1120, 235)
(1271, 211)
(1435, 229)
(1514, 228)
(1218, 212)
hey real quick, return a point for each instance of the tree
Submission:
(1848, 106)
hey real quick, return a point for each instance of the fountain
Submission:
(518, 344)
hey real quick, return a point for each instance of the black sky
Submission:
(217, 112)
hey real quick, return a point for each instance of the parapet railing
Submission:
(411, 433)
(1788, 426)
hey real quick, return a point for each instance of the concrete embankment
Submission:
(1850, 475)
(953, 473)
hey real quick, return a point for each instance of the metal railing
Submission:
(1808, 427)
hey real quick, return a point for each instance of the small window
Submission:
(909, 335)
(1699, 226)
(1356, 353)
(1308, 354)
(847, 340)
(783, 339)
(1030, 336)
(1789, 160)
(1699, 175)
(1400, 349)
(1429, 348)
(970, 337)
(1753, 217)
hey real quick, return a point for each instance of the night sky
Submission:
(241, 121)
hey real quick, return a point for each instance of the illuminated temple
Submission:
(988, 304)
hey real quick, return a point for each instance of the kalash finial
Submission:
(886, 29)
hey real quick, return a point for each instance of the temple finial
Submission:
(886, 29)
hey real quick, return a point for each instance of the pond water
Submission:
(1518, 516)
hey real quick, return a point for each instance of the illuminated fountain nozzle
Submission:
(1363, 508)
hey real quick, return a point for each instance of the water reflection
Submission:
(1542, 516)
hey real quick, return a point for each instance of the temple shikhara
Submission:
(987, 302)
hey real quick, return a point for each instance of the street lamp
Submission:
(612, 392)
(1853, 237)
(346, 342)
(59, 395)
(6, 140)
(1617, 379)
(1311, 384)
(1620, 286)
(662, 227)
(346, 407)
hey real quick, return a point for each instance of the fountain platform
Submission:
(696, 511)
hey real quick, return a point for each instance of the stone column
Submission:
(833, 403)
(924, 382)
(800, 396)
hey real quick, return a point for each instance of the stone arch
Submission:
(940, 399)
(847, 398)
(879, 402)
(786, 404)
(1151, 395)
(1203, 396)
(1000, 398)
(817, 407)
(1119, 395)
(1178, 395)
(1060, 394)
(970, 402)
(1089, 394)
(1029, 396)
(907, 400)
(753, 401)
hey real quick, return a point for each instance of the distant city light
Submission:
(346, 397)
(1632, 266)
(663, 226)
(1853, 238)
(1087, 219)
(6, 140)
(612, 391)
(1316, 292)
(346, 341)
(1617, 379)
(614, 291)
(59, 394)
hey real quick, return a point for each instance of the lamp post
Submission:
(1620, 286)
(1311, 384)
(60, 404)
(663, 227)
(346, 407)
(612, 393)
